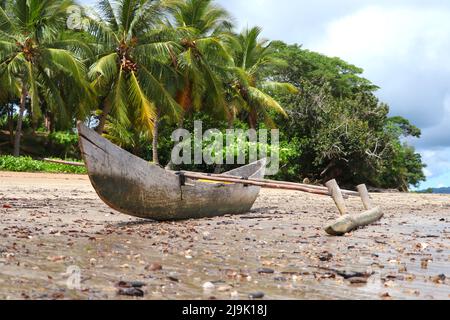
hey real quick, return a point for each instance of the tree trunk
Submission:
(50, 122)
(34, 127)
(47, 122)
(231, 118)
(155, 139)
(23, 100)
(184, 98)
(102, 119)
(253, 119)
(11, 123)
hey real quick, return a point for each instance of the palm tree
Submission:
(132, 66)
(33, 54)
(201, 28)
(248, 88)
(131, 59)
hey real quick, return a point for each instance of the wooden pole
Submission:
(344, 192)
(348, 223)
(250, 182)
(362, 189)
(336, 193)
(69, 163)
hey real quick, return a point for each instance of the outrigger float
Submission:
(141, 189)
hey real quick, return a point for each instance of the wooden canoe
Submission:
(141, 189)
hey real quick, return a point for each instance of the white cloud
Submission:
(402, 49)
(438, 170)
(428, 173)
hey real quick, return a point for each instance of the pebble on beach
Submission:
(256, 295)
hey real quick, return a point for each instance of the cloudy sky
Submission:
(403, 46)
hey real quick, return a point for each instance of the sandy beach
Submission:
(52, 223)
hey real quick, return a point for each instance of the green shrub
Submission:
(64, 143)
(27, 164)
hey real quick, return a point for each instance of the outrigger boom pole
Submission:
(345, 224)
(264, 183)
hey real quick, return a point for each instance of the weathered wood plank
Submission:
(252, 182)
(69, 163)
(295, 184)
(336, 193)
(348, 223)
(364, 193)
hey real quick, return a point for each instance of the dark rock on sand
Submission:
(132, 292)
(265, 271)
(256, 295)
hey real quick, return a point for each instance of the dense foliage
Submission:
(27, 164)
(138, 69)
(340, 128)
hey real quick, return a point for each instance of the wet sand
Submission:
(49, 223)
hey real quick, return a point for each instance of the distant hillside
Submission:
(445, 190)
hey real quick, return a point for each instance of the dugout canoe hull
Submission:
(141, 189)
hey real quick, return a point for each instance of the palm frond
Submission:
(8, 88)
(79, 47)
(7, 49)
(6, 25)
(20, 10)
(52, 95)
(148, 15)
(214, 48)
(118, 98)
(157, 50)
(144, 108)
(266, 102)
(108, 14)
(127, 11)
(119, 133)
(278, 87)
(103, 31)
(33, 92)
(205, 16)
(15, 65)
(65, 60)
(105, 70)
(158, 93)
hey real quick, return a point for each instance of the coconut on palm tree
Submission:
(34, 55)
(248, 87)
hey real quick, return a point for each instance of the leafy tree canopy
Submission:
(340, 127)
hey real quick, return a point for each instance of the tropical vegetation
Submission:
(135, 70)
(27, 164)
